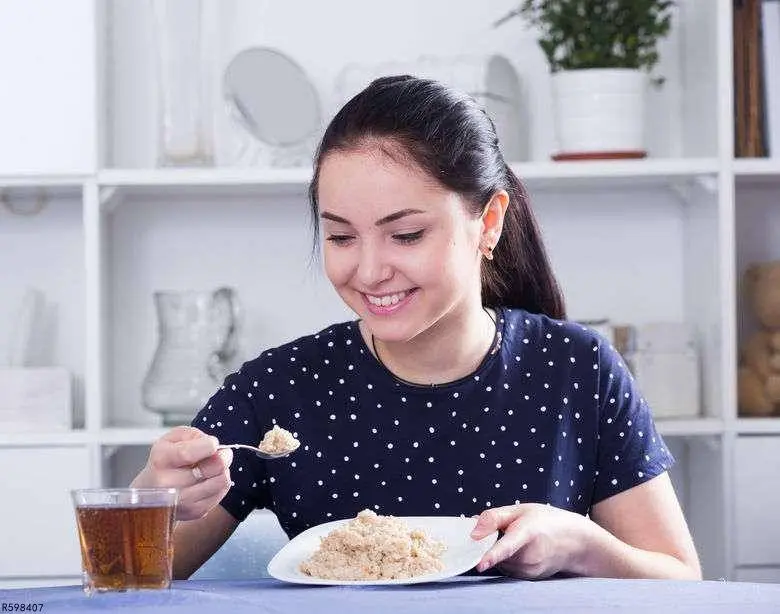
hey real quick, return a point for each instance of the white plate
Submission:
(462, 552)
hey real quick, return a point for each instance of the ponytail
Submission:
(520, 274)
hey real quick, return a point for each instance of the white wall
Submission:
(48, 86)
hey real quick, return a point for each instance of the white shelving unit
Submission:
(664, 238)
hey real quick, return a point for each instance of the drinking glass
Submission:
(126, 537)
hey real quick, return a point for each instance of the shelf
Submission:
(130, 436)
(34, 184)
(203, 176)
(205, 181)
(758, 426)
(108, 437)
(24, 439)
(539, 175)
(659, 172)
(692, 427)
(760, 172)
(35, 180)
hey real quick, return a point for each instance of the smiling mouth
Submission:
(388, 300)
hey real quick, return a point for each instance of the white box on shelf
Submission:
(37, 398)
(669, 382)
(665, 337)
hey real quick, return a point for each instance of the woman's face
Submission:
(401, 250)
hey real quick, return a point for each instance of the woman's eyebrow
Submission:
(334, 218)
(397, 216)
(385, 220)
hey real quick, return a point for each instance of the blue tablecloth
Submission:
(462, 594)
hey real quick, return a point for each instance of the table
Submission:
(464, 594)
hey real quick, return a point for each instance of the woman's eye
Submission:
(339, 239)
(409, 237)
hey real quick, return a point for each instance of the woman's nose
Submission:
(373, 267)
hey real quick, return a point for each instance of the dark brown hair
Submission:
(449, 136)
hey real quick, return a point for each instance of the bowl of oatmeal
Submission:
(375, 549)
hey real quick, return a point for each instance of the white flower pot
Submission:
(599, 113)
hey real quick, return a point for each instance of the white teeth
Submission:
(387, 300)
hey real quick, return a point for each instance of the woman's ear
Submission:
(493, 222)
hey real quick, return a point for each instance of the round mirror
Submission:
(271, 96)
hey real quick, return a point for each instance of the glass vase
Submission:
(184, 134)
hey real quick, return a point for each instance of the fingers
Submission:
(215, 465)
(182, 433)
(193, 451)
(516, 537)
(182, 447)
(199, 498)
(201, 486)
(211, 467)
(495, 519)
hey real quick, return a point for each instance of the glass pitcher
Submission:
(197, 347)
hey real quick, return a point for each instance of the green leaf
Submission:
(597, 33)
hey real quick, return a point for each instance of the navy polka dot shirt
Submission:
(552, 415)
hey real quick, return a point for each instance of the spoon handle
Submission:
(257, 451)
(224, 446)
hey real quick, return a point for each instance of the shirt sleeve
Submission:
(630, 450)
(230, 416)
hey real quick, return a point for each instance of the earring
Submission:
(488, 252)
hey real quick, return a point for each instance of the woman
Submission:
(460, 390)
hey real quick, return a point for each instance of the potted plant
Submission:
(600, 54)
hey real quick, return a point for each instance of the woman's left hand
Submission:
(539, 540)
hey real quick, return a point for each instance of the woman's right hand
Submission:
(187, 459)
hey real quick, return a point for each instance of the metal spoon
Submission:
(258, 451)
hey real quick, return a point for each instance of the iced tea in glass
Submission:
(126, 537)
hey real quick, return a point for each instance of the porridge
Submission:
(372, 547)
(278, 441)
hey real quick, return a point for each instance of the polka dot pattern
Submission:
(570, 433)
